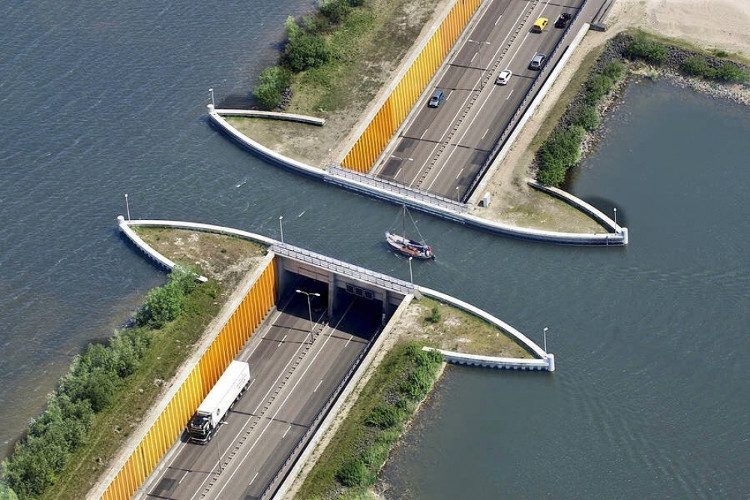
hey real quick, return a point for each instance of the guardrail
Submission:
(341, 267)
(399, 189)
(515, 120)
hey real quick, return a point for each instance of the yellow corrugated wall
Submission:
(168, 427)
(373, 140)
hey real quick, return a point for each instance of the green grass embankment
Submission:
(351, 460)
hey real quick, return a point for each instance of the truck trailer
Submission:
(227, 390)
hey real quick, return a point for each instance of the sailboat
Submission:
(407, 246)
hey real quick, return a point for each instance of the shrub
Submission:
(272, 82)
(164, 303)
(6, 493)
(559, 152)
(383, 416)
(435, 316)
(614, 69)
(353, 473)
(303, 50)
(597, 87)
(696, 66)
(356, 3)
(721, 53)
(586, 117)
(646, 49)
(334, 10)
(730, 73)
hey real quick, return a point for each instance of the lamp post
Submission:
(411, 275)
(281, 227)
(309, 306)
(211, 91)
(544, 332)
(615, 209)
(127, 206)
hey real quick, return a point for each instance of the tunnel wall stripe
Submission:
(169, 425)
(391, 115)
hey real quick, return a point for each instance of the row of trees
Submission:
(306, 47)
(87, 389)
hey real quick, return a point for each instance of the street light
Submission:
(411, 275)
(211, 91)
(545, 338)
(615, 209)
(281, 227)
(309, 306)
(127, 206)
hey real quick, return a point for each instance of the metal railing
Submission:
(399, 189)
(343, 268)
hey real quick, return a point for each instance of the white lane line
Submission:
(485, 133)
(510, 94)
(318, 386)
(349, 340)
(449, 95)
(468, 96)
(262, 402)
(474, 56)
(251, 383)
(487, 98)
(423, 133)
(281, 405)
(253, 479)
(498, 19)
(287, 431)
(459, 173)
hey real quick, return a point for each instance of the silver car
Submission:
(537, 61)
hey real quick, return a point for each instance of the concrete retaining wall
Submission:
(273, 115)
(417, 204)
(460, 358)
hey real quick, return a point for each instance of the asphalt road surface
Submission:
(442, 149)
(293, 374)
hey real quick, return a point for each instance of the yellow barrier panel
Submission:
(391, 115)
(167, 428)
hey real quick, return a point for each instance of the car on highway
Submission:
(539, 25)
(537, 61)
(504, 77)
(437, 97)
(563, 20)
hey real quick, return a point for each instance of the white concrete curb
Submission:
(273, 115)
(460, 358)
(423, 206)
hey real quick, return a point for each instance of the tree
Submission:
(273, 82)
(304, 51)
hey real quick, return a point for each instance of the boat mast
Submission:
(403, 222)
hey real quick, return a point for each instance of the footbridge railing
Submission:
(343, 268)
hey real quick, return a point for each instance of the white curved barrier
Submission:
(459, 358)
(273, 115)
(417, 204)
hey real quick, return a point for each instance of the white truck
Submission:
(228, 389)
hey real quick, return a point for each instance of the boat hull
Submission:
(408, 247)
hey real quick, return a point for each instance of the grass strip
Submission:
(350, 462)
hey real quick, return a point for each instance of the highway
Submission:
(293, 373)
(441, 150)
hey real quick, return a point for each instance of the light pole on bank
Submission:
(281, 227)
(127, 206)
(544, 332)
(309, 306)
(211, 91)
(615, 209)
(411, 275)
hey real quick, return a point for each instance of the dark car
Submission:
(563, 20)
(537, 61)
(437, 97)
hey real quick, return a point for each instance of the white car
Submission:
(504, 77)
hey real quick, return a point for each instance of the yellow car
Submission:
(539, 25)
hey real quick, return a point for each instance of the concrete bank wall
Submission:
(546, 360)
(237, 323)
(399, 197)
(396, 108)
(459, 358)
(272, 115)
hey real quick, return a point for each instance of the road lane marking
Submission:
(423, 133)
(510, 94)
(318, 386)
(498, 19)
(449, 95)
(281, 405)
(473, 57)
(253, 479)
(468, 96)
(485, 133)
(286, 432)
(460, 172)
(262, 402)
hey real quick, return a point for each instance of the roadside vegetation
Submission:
(562, 148)
(351, 461)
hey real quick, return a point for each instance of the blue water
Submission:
(105, 99)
